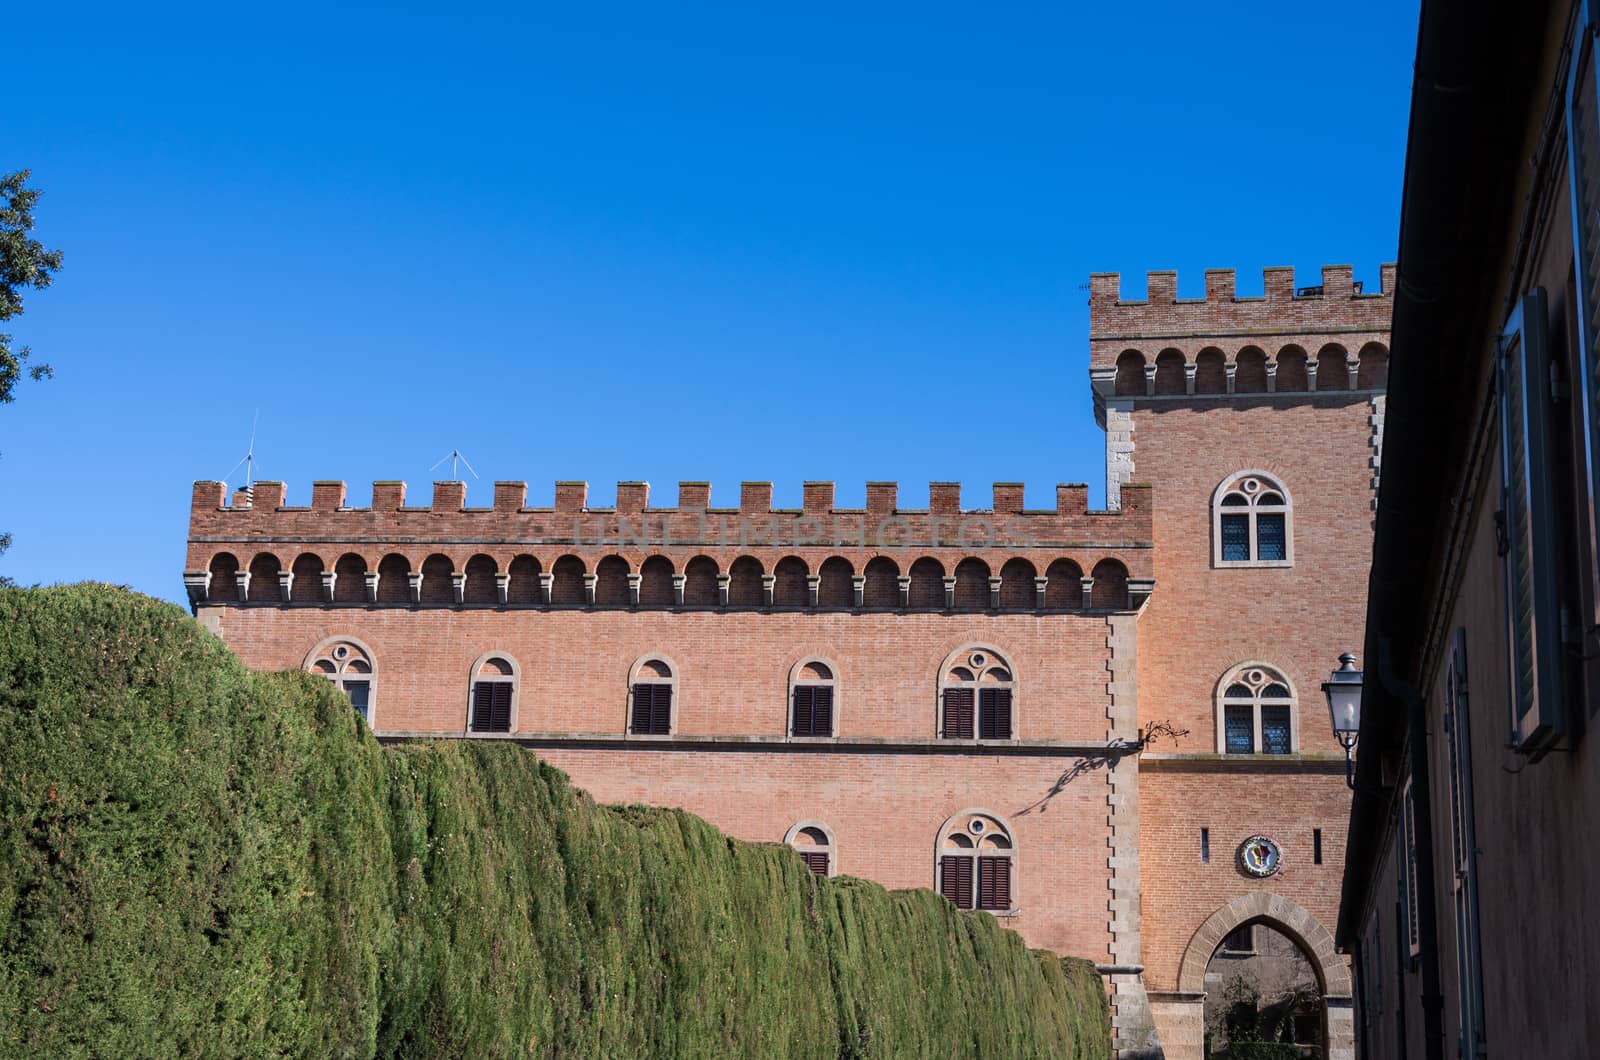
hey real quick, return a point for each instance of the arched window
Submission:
(1063, 589)
(1110, 589)
(567, 584)
(814, 841)
(1170, 377)
(524, 588)
(1373, 373)
(307, 587)
(927, 584)
(652, 696)
(348, 664)
(1333, 368)
(1252, 522)
(611, 582)
(1292, 376)
(977, 861)
(1210, 372)
(813, 687)
(438, 581)
(1255, 712)
(744, 582)
(976, 696)
(1129, 380)
(1250, 372)
(492, 703)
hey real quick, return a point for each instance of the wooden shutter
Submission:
(1527, 508)
(822, 711)
(804, 711)
(481, 709)
(1583, 173)
(500, 706)
(955, 879)
(816, 861)
(994, 713)
(994, 883)
(1469, 954)
(958, 714)
(652, 709)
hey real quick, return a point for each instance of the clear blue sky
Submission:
(669, 242)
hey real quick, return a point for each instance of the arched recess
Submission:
(438, 587)
(611, 583)
(224, 578)
(1130, 374)
(394, 579)
(700, 582)
(882, 588)
(1292, 376)
(1110, 592)
(1250, 373)
(480, 587)
(1169, 373)
(1281, 914)
(1373, 373)
(837, 587)
(1210, 374)
(1017, 589)
(567, 586)
(655, 582)
(524, 587)
(972, 585)
(1333, 368)
(789, 588)
(264, 585)
(744, 582)
(350, 579)
(307, 588)
(927, 583)
(1063, 590)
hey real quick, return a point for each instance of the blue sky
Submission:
(665, 242)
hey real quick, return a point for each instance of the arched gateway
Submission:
(1279, 913)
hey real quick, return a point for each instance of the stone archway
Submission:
(1299, 926)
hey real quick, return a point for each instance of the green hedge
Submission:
(197, 860)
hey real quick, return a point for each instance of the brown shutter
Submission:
(958, 713)
(499, 706)
(482, 706)
(955, 879)
(822, 721)
(816, 861)
(994, 883)
(994, 714)
(652, 709)
(804, 719)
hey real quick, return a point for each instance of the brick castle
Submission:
(957, 698)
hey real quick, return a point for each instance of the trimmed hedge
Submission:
(198, 860)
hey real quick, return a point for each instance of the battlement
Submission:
(336, 553)
(1331, 336)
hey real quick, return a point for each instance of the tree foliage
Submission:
(198, 860)
(24, 263)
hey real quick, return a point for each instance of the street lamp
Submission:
(1343, 689)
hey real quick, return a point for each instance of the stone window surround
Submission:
(996, 660)
(795, 680)
(474, 677)
(1269, 482)
(949, 827)
(1274, 675)
(654, 679)
(337, 679)
(830, 848)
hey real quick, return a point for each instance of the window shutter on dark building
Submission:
(958, 713)
(994, 713)
(1528, 512)
(955, 879)
(652, 709)
(994, 883)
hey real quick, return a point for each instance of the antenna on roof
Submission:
(455, 456)
(248, 460)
